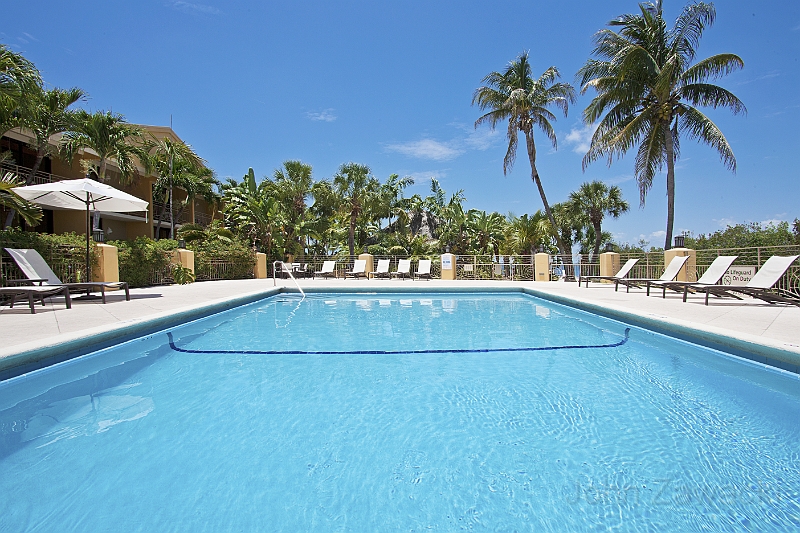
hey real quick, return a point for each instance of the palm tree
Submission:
(30, 212)
(252, 213)
(18, 79)
(110, 137)
(524, 234)
(391, 196)
(291, 186)
(647, 90)
(486, 231)
(175, 164)
(354, 184)
(46, 113)
(197, 183)
(592, 201)
(516, 96)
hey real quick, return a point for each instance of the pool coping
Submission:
(23, 360)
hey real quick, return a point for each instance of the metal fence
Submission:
(67, 262)
(651, 264)
(218, 269)
(39, 177)
(521, 267)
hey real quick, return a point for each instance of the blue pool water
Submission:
(348, 413)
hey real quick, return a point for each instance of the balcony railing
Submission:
(202, 219)
(184, 217)
(22, 172)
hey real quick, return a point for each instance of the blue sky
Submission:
(389, 84)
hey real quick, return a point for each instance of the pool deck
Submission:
(54, 328)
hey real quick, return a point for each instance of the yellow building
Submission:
(113, 226)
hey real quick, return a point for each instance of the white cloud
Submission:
(424, 177)
(29, 36)
(725, 222)
(580, 138)
(190, 7)
(768, 75)
(622, 178)
(325, 115)
(774, 221)
(482, 139)
(657, 234)
(426, 149)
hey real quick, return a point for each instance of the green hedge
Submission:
(66, 254)
(144, 261)
(237, 260)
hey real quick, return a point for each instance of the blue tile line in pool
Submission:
(397, 352)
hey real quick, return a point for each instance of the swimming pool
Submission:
(354, 412)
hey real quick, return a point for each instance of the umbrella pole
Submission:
(88, 229)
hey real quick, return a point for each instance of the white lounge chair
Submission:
(423, 269)
(715, 271)
(382, 271)
(623, 272)
(327, 269)
(762, 285)
(403, 269)
(33, 294)
(38, 271)
(359, 269)
(669, 274)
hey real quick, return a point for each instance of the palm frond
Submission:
(511, 152)
(712, 67)
(704, 94)
(650, 158)
(689, 28)
(698, 126)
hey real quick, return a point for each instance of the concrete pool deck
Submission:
(756, 326)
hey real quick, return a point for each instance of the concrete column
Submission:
(689, 270)
(108, 266)
(541, 267)
(370, 266)
(184, 258)
(448, 267)
(609, 264)
(260, 268)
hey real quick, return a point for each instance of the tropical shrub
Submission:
(144, 262)
(66, 253)
(746, 236)
(236, 258)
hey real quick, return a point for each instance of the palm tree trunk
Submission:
(160, 218)
(535, 177)
(36, 165)
(670, 185)
(351, 235)
(597, 236)
(102, 172)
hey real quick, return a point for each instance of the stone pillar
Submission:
(107, 268)
(448, 267)
(609, 265)
(184, 258)
(689, 270)
(260, 268)
(370, 266)
(541, 267)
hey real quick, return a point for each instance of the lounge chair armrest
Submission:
(17, 282)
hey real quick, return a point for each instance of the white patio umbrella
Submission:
(82, 194)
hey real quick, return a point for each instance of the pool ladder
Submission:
(288, 271)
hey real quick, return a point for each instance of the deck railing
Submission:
(67, 262)
(39, 177)
(520, 267)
